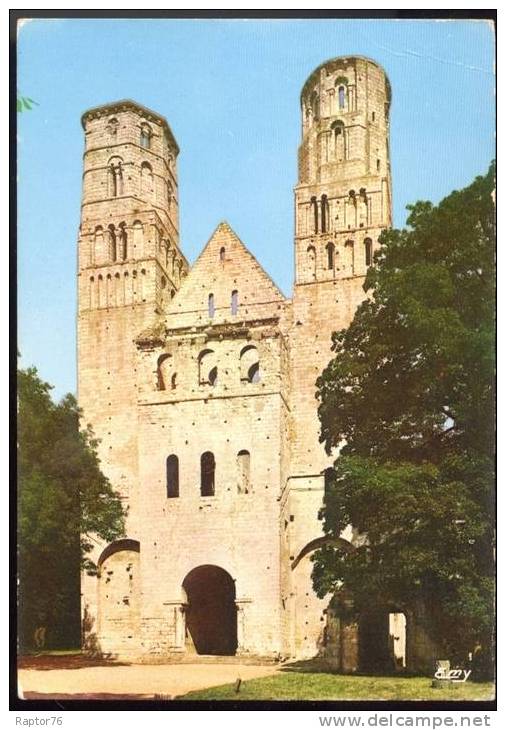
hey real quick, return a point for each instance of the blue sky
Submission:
(230, 91)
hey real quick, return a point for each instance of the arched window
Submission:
(115, 177)
(173, 381)
(250, 364)
(222, 254)
(339, 140)
(123, 242)
(330, 255)
(145, 140)
(324, 213)
(243, 472)
(341, 95)
(349, 255)
(113, 252)
(234, 302)
(314, 206)
(163, 368)
(210, 305)
(169, 195)
(311, 254)
(208, 369)
(146, 178)
(363, 208)
(172, 467)
(207, 469)
(350, 210)
(368, 251)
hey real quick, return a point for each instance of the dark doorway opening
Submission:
(211, 614)
(382, 642)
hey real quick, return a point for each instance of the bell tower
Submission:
(129, 211)
(343, 195)
(129, 267)
(342, 204)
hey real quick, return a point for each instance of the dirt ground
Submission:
(75, 677)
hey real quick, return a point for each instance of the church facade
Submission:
(199, 382)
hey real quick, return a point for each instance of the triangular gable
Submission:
(225, 265)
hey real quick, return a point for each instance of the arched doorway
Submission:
(211, 614)
(119, 600)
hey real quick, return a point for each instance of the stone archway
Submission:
(211, 613)
(119, 598)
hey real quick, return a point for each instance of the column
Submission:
(177, 614)
(241, 605)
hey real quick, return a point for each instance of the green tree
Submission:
(64, 504)
(409, 396)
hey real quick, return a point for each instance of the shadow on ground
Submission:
(66, 661)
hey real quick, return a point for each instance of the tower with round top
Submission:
(343, 194)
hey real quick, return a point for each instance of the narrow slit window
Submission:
(243, 472)
(145, 137)
(234, 302)
(368, 251)
(341, 92)
(210, 305)
(207, 472)
(172, 473)
(330, 255)
(113, 251)
(314, 205)
(324, 217)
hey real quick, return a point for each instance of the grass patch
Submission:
(294, 685)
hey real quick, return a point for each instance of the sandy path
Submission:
(137, 679)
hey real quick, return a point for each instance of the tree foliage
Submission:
(24, 103)
(64, 504)
(409, 399)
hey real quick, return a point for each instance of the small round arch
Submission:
(320, 542)
(145, 136)
(118, 545)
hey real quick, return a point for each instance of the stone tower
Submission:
(342, 198)
(342, 203)
(129, 265)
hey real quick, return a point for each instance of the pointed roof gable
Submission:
(225, 265)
